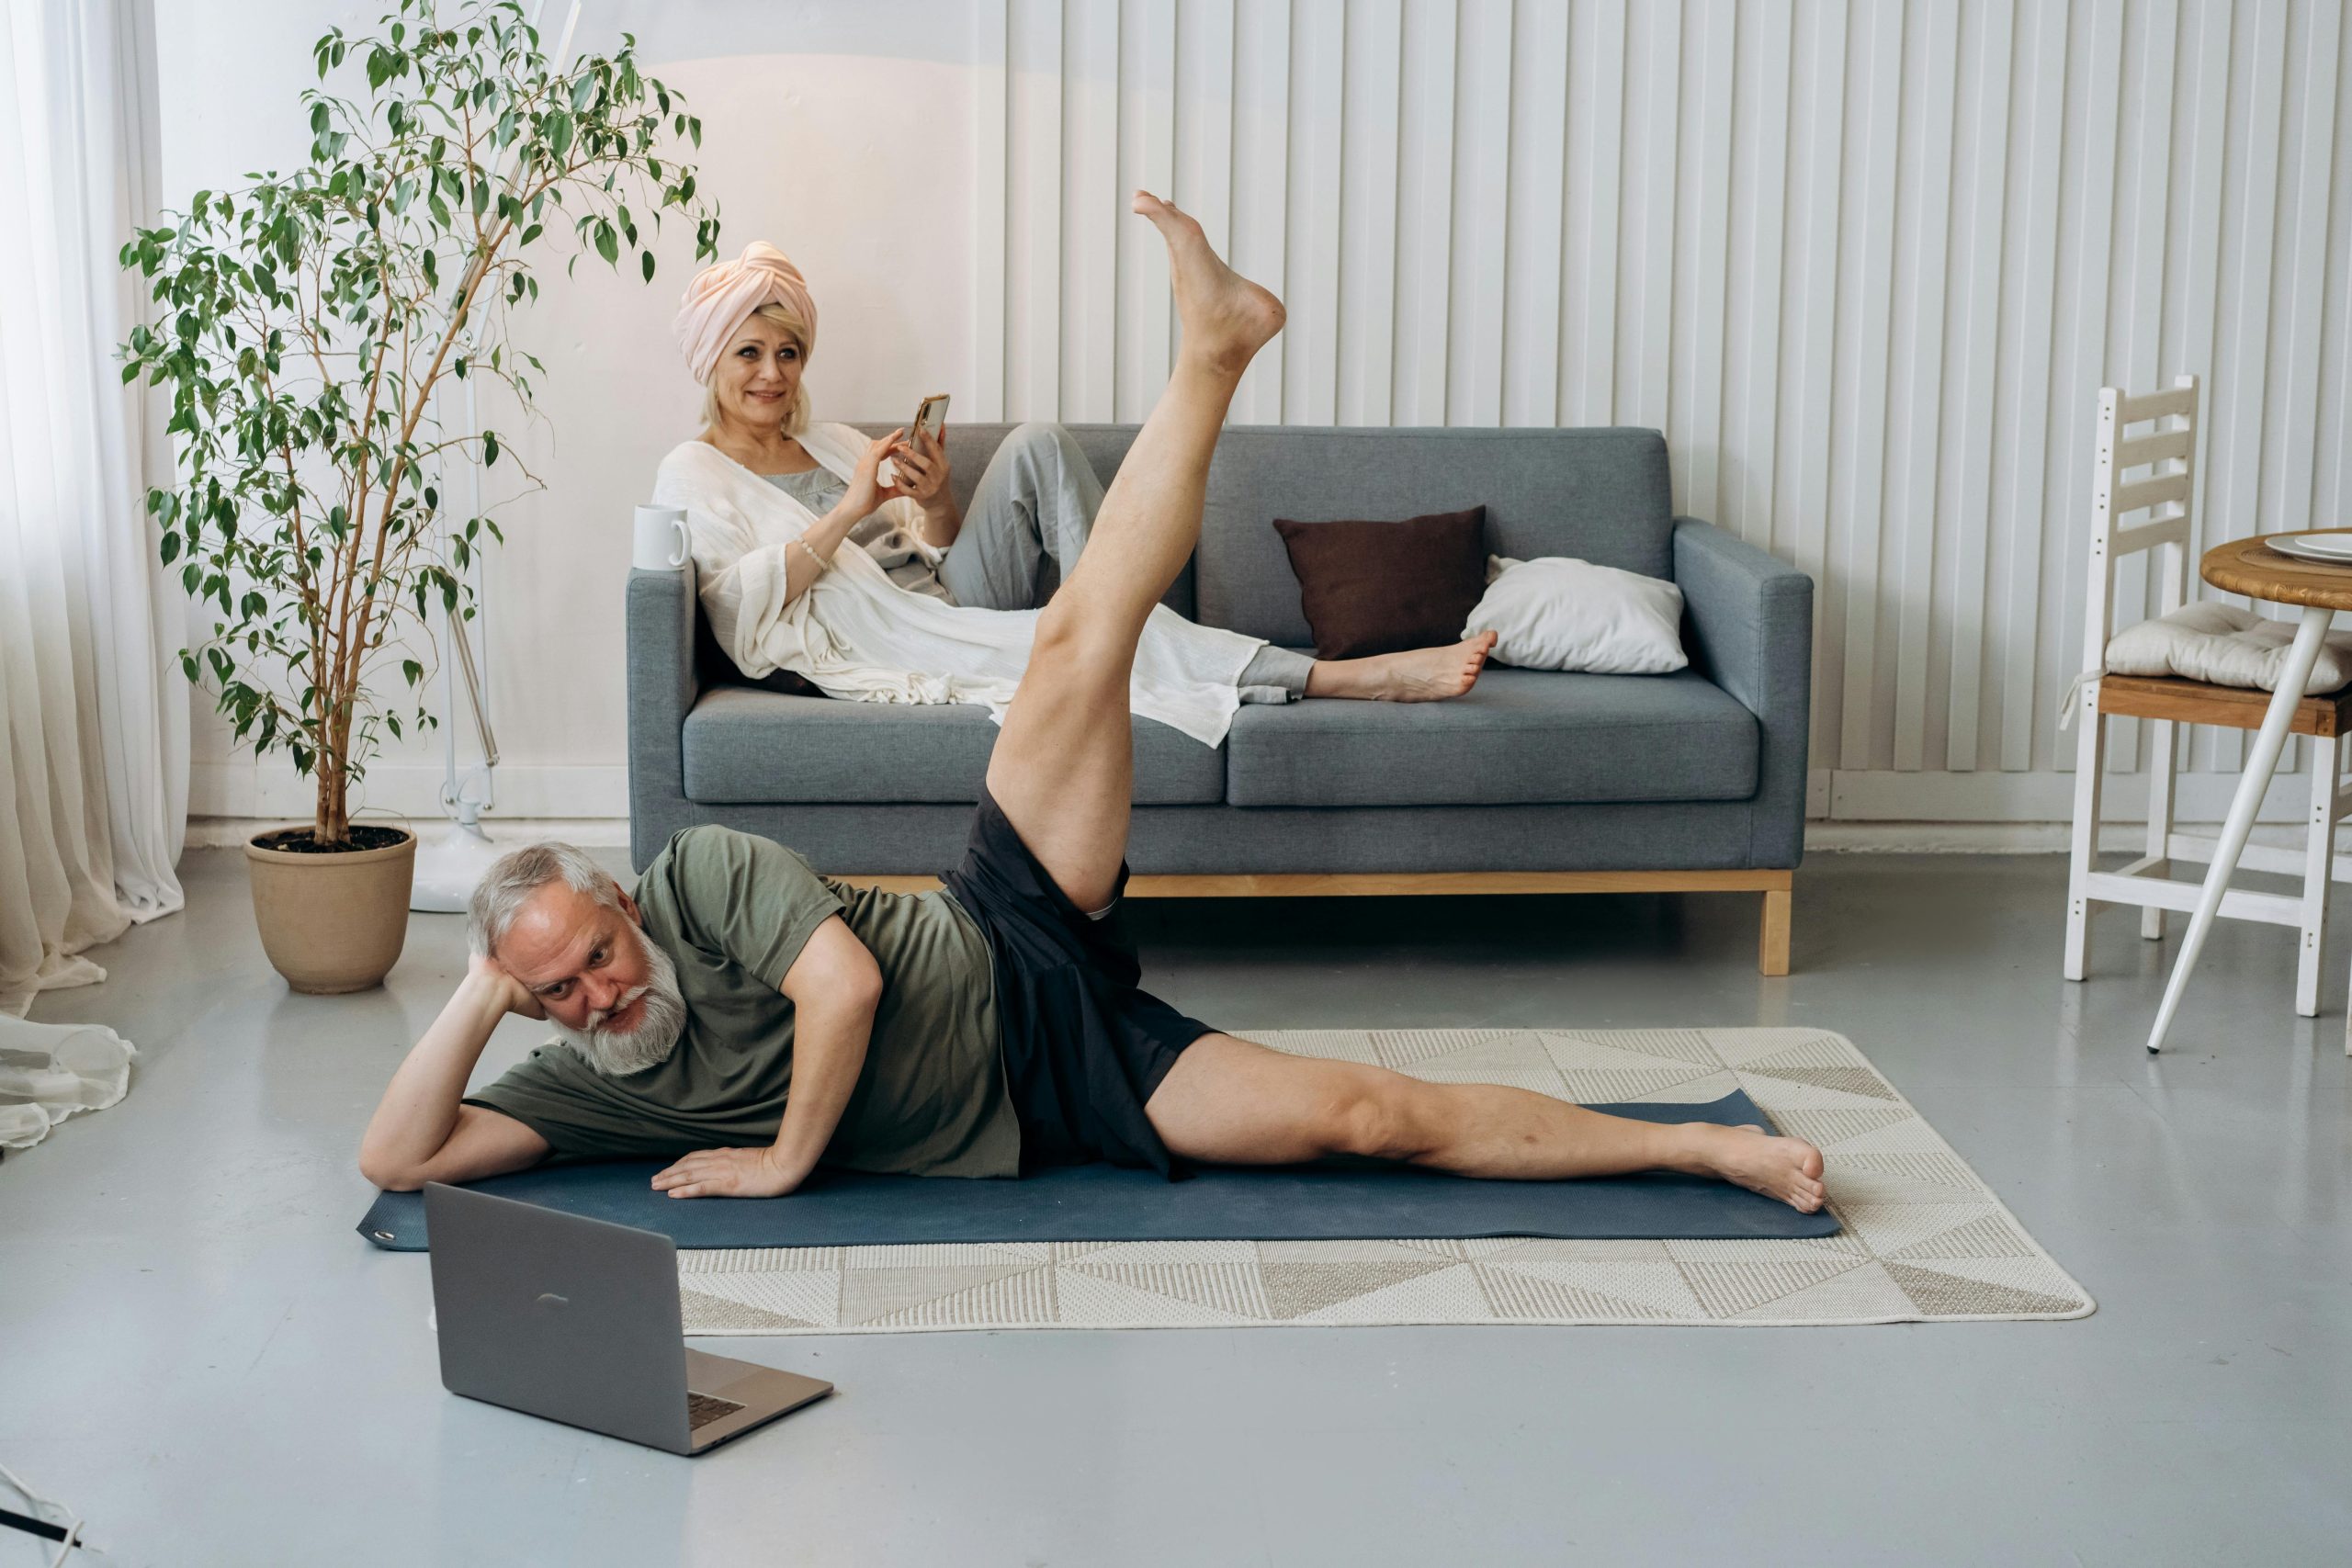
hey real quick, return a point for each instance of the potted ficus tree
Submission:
(303, 325)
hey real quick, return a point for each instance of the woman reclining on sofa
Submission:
(928, 605)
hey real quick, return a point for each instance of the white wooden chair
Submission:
(2167, 454)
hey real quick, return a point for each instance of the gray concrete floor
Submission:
(197, 1353)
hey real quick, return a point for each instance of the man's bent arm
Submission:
(834, 987)
(420, 1132)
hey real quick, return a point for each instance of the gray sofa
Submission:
(1534, 782)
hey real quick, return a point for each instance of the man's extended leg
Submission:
(1230, 1101)
(1062, 768)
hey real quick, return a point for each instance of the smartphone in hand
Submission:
(931, 417)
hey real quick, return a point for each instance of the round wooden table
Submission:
(2252, 568)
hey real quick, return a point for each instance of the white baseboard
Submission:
(2033, 797)
(1820, 837)
(1990, 813)
(2001, 838)
(587, 832)
(242, 788)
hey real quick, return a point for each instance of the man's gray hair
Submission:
(516, 875)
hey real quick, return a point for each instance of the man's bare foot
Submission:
(1226, 318)
(1421, 675)
(1786, 1168)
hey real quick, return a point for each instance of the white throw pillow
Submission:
(1557, 613)
(2224, 645)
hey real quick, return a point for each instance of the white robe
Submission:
(857, 634)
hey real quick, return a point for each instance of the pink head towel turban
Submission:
(722, 297)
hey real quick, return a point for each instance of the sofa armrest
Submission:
(662, 687)
(1749, 617)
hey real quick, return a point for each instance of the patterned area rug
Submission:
(1924, 1238)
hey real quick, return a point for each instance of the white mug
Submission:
(661, 538)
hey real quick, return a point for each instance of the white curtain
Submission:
(92, 708)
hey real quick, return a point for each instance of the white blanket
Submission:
(857, 634)
(50, 1071)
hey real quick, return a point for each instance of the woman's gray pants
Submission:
(1022, 533)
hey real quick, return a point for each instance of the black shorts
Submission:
(1083, 1047)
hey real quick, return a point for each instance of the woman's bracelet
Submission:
(824, 563)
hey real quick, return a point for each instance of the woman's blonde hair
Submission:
(795, 417)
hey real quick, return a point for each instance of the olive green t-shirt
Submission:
(733, 911)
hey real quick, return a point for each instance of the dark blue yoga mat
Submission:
(1101, 1202)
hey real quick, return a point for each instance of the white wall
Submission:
(1865, 264)
(856, 162)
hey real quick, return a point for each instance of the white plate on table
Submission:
(2333, 546)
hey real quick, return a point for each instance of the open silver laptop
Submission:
(577, 1320)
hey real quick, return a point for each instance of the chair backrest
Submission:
(2153, 471)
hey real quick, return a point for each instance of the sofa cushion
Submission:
(1520, 736)
(1597, 496)
(746, 745)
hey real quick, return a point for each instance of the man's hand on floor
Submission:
(728, 1173)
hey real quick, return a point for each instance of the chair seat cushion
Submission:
(748, 746)
(1520, 736)
(2224, 645)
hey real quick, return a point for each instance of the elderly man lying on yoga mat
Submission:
(754, 1019)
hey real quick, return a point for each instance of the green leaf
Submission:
(171, 547)
(489, 447)
(606, 246)
(411, 669)
(648, 265)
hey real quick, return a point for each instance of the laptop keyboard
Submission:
(702, 1409)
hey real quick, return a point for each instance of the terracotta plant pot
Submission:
(330, 922)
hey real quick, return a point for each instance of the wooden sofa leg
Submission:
(1773, 955)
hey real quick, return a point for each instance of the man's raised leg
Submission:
(1230, 1101)
(1062, 768)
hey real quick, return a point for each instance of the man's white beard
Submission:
(615, 1052)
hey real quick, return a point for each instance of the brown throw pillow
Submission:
(1383, 587)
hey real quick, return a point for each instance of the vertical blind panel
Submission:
(1866, 264)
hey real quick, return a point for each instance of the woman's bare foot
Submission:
(1421, 675)
(1786, 1168)
(1226, 318)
